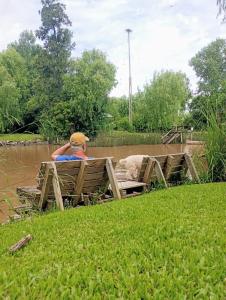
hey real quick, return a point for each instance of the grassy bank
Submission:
(107, 139)
(118, 138)
(167, 244)
(20, 137)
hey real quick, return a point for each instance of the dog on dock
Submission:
(132, 165)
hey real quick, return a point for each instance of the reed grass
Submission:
(215, 149)
(118, 138)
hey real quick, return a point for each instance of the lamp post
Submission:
(130, 79)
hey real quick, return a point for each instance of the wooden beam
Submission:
(45, 186)
(191, 168)
(169, 166)
(159, 173)
(80, 181)
(56, 188)
(112, 179)
(149, 170)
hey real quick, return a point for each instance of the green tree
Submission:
(16, 67)
(28, 49)
(210, 67)
(9, 104)
(165, 98)
(53, 61)
(222, 8)
(85, 95)
(87, 87)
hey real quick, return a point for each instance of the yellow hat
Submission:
(78, 138)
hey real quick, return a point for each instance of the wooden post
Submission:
(79, 182)
(45, 187)
(159, 173)
(149, 170)
(112, 179)
(56, 188)
(191, 168)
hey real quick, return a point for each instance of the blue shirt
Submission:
(67, 157)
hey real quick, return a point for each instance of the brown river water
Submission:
(19, 164)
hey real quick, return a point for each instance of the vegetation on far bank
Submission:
(168, 244)
(107, 138)
(21, 137)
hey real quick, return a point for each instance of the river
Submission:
(20, 164)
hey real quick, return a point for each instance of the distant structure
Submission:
(130, 79)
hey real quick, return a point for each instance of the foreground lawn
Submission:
(20, 137)
(167, 244)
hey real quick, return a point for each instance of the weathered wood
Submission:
(20, 244)
(45, 186)
(159, 173)
(56, 188)
(112, 179)
(29, 194)
(169, 166)
(191, 168)
(149, 170)
(124, 185)
(78, 185)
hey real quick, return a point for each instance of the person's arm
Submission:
(60, 151)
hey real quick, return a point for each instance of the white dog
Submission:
(132, 165)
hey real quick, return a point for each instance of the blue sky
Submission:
(166, 33)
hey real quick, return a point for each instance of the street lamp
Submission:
(130, 79)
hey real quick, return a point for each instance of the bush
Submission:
(57, 122)
(123, 124)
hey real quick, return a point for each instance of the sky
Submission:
(166, 34)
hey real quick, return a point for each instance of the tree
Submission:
(54, 59)
(165, 98)
(210, 67)
(16, 67)
(87, 87)
(26, 46)
(85, 95)
(28, 49)
(222, 8)
(9, 105)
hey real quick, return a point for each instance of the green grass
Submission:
(20, 137)
(118, 138)
(168, 244)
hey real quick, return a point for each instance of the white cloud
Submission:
(166, 33)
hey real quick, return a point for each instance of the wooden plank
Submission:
(191, 168)
(123, 185)
(149, 170)
(78, 185)
(45, 186)
(112, 179)
(95, 163)
(56, 188)
(93, 169)
(159, 173)
(97, 182)
(169, 166)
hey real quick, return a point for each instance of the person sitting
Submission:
(78, 146)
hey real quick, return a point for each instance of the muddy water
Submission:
(19, 164)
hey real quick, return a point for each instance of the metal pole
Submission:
(130, 79)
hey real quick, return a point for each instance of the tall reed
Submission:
(216, 148)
